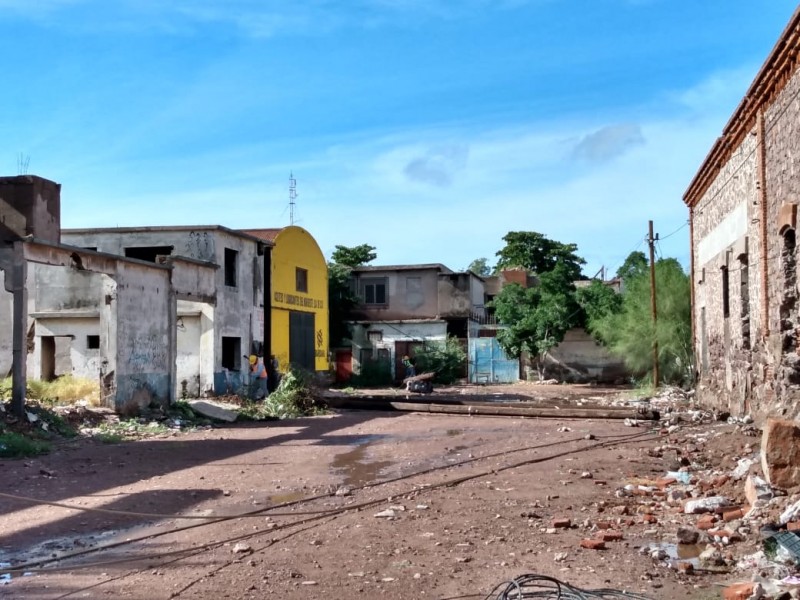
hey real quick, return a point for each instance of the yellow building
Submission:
(299, 298)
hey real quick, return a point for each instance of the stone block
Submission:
(215, 410)
(780, 453)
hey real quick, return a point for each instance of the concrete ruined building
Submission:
(152, 313)
(743, 223)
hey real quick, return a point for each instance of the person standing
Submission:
(258, 378)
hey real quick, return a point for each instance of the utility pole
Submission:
(651, 241)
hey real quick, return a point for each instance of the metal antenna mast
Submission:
(292, 196)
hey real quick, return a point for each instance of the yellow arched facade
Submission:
(299, 300)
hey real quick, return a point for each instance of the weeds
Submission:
(16, 445)
(293, 398)
(64, 390)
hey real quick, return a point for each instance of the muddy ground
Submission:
(472, 502)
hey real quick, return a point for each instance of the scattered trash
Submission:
(703, 505)
(743, 467)
(242, 548)
(783, 547)
(683, 477)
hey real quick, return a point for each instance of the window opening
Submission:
(231, 257)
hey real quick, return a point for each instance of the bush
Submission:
(374, 373)
(293, 398)
(446, 359)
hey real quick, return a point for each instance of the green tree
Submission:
(630, 333)
(480, 266)
(353, 256)
(635, 264)
(538, 254)
(536, 318)
(598, 301)
(446, 359)
(341, 298)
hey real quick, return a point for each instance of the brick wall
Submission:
(743, 367)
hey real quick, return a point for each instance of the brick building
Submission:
(743, 218)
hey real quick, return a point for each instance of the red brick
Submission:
(738, 591)
(706, 522)
(562, 523)
(665, 482)
(650, 519)
(733, 514)
(604, 525)
(609, 536)
(793, 526)
(720, 480)
(593, 544)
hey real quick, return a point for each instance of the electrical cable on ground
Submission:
(30, 566)
(549, 588)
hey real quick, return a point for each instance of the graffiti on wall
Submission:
(146, 352)
(199, 245)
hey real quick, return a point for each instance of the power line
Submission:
(662, 238)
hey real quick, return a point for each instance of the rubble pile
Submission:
(721, 509)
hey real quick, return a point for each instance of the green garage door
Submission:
(301, 340)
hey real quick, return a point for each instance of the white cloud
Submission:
(608, 142)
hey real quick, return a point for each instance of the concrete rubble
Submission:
(735, 518)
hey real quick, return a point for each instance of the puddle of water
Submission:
(680, 552)
(356, 468)
(285, 497)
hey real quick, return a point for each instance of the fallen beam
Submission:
(494, 409)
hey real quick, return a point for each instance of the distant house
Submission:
(403, 307)
(743, 205)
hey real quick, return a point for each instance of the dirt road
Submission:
(459, 516)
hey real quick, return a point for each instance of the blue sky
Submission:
(427, 128)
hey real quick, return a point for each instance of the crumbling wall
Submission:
(753, 362)
(726, 276)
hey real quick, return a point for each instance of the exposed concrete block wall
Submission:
(30, 205)
(580, 358)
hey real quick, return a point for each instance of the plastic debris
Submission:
(702, 505)
(683, 477)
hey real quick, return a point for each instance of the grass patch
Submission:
(64, 390)
(16, 445)
(108, 437)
